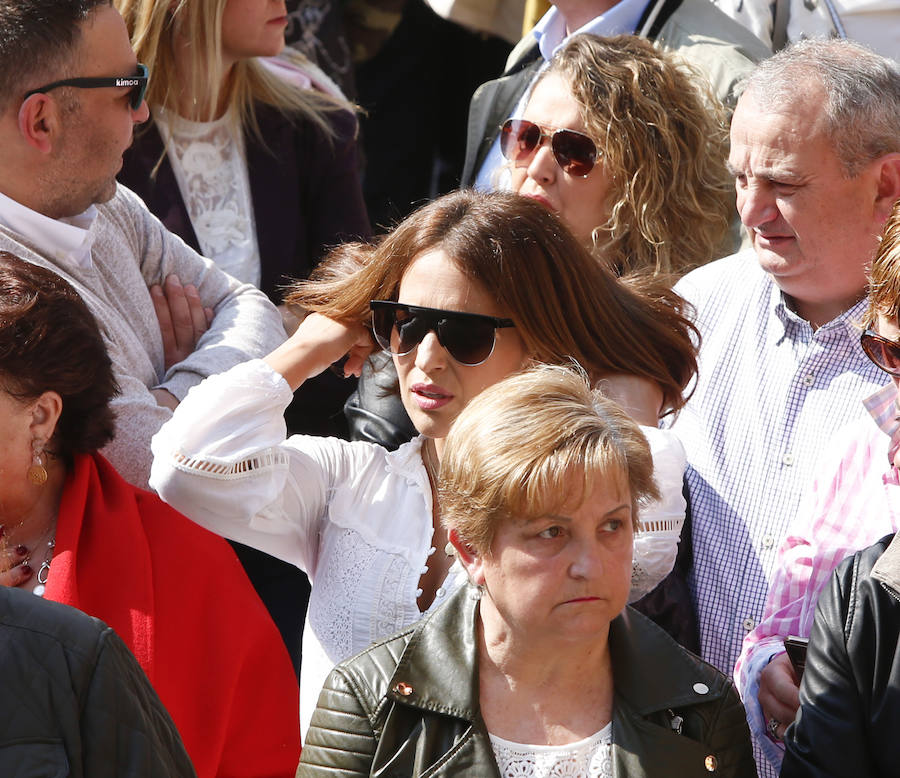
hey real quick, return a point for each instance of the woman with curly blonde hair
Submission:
(629, 149)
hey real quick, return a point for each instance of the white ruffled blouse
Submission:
(210, 166)
(354, 516)
(587, 758)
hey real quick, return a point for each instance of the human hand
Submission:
(639, 397)
(317, 343)
(12, 571)
(779, 694)
(165, 399)
(181, 316)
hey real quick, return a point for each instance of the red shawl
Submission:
(178, 597)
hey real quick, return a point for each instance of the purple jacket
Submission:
(305, 190)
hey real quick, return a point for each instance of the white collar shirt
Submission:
(550, 34)
(621, 19)
(770, 393)
(68, 240)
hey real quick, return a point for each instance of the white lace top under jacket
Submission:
(210, 165)
(587, 758)
(354, 516)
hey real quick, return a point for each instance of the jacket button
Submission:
(403, 688)
(711, 763)
(701, 688)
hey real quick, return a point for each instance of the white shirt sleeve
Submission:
(656, 542)
(223, 461)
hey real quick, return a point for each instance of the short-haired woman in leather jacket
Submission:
(538, 667)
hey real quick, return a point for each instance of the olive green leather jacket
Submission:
(408, 706)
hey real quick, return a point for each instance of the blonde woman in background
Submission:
(628, 148)
(625, 147)
(252, 160)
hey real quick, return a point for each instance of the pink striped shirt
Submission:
(854, 501)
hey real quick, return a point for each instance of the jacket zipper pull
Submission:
(677, 721)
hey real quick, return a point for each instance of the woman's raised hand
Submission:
(12, 572)
(317, 343)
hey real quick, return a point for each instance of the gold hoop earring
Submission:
(37, 474)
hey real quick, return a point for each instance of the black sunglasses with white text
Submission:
(137, 83)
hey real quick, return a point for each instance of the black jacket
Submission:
(305, 191)
(74, 700)
(306, 197)
(408, 706)
(848, 723)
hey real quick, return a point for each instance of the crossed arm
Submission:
(182, 321)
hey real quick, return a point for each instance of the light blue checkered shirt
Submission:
(770, 393)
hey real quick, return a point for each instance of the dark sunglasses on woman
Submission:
(883, 352)
(573, 151)
(468, 337)
(137, 83)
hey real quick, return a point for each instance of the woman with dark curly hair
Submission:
(627, 147)
(74, 531)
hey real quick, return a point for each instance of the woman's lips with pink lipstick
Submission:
(430, 396)
(542, 200)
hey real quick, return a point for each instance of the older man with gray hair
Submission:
(815, 153)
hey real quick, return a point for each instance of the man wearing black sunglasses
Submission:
(704, 36)
(71, 94)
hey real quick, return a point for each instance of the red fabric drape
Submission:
(178, 597)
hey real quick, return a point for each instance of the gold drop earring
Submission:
(37, 474)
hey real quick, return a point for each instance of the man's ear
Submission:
(888, 185)
(469, 558)
(39, 121)
(45, 413)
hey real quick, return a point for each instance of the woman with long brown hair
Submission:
(467, 290)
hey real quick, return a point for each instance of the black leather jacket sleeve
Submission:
(75, 700)
(828, 736)
(340, 740)
(127, 731)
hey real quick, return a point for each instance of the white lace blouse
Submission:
(588, 758)
(355, 517)
(210, 166)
